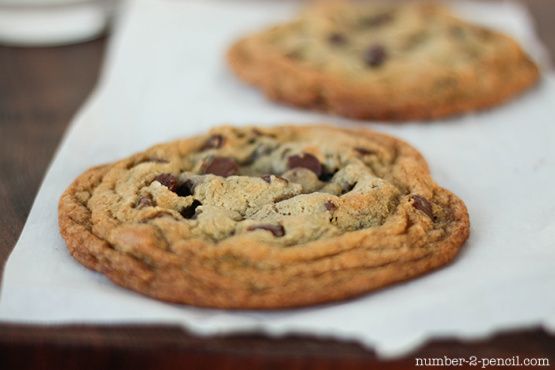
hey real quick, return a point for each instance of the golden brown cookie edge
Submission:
(286, 81)
(134, 274)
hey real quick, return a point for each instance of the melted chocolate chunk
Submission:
(185, 189)
(337, 39)
(307, 161)
(375, 56)
(190, 211)
(326, 175)
(213, 142)
(330, 206)
(145, 201)
(172, 183)
(221, 166)
(168, 180)
(276, 230)
(422, 204)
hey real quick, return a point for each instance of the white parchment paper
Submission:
(166, 77)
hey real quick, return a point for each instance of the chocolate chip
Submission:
(330, 206)
(364, 151)
(221, 166)
(337, 39)
(276, 230)
(213, 142)
(422, 204)
(189, 211)
(185, 189)
(375, 56)
(326, 175)
(376, 20)
(168, 180)
(172, 183)
(307, 161)
(145, 201)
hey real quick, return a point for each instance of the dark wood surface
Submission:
(40, 91)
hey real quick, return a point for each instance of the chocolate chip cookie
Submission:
(263, 217)
(387, 62)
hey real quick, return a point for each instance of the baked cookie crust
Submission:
(263, 217)
(413, 61)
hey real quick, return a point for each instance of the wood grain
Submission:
(40, 91)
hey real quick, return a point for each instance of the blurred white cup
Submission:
(52, 22)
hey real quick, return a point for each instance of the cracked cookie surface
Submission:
(391, 62)
(263, 217)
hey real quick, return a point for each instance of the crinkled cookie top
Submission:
(282, 186)
(369, 40)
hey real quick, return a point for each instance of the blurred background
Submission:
(53, 22)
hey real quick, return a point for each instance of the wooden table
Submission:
(40, 91)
